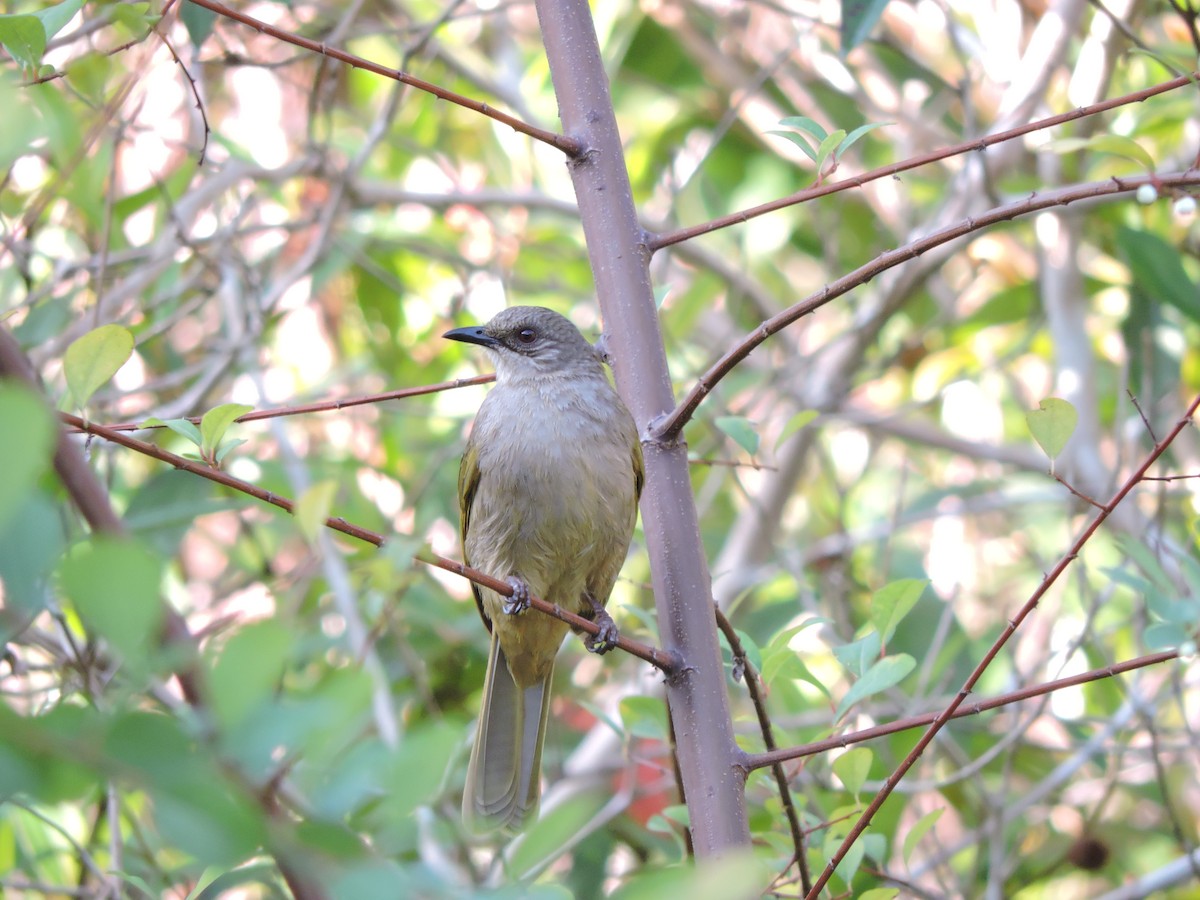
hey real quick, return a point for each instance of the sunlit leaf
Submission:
(216, 422)
(1052, 425)
(312, 508)
(853, 767)
(919, 829)
(886, 673)
(94, 358)
(892, 602)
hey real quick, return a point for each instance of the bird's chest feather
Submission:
(556, 479)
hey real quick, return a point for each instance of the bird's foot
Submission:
(519, 601)
(607, 637)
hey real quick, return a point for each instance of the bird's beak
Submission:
(472, 334)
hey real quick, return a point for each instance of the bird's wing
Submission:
(468, 483)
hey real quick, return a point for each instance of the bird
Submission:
(548, 492)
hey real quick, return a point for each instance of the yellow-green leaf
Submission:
(216, 422)
(312, 509)
(919, 830)
(95, 358)
(1052, 424)
(852, 767)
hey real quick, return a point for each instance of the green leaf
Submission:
(249, 670)
(799, 140)
(55, 18)
(858, 18)
(857, 656)
(115, 584)
(794, 424)
(554, 831)
(216, 422)
(851, 861)
(719, 879)
(852, 767)
(225, 448)
(893, 602)
(741, 430)
(829, 145)
(1157, 268)
(182, 427)
(94, 358)
(30, 545)
(919, 829)
(24, 37)
(27, 446)
(198, 21)
(644, 717)
(1052, 425)
(312, 508)
(886, 673)
(805, 124)
(1107, 143)
(856, 135)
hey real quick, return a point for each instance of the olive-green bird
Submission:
(548, 492)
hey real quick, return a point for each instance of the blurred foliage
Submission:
(270, 228)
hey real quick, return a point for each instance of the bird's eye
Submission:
(527, 335)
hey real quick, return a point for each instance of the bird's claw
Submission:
(606, 638)
(519, 601)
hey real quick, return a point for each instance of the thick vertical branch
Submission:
(709, 760)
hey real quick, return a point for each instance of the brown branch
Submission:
(772, 757)
(568, 145)
(325, 406)
(1030, 605)
(768, 735)
(662, 659)
(667, 428)
(657, 242)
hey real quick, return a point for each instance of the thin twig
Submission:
(325, 406)
(568, 145)
(841, 741)
(657, 242)
(1030, 605)
(750, 676)
(667, 428)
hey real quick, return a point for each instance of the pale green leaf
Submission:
(857, 134)
(829, 145)
(1052, 424)
(115, 584)
(852, 767)
(919, 829)
(794, 424)
(94, 358)
(805, 124)
(55, 18)
(893, 602)
(312, 508)
(216, 422)
(799, 140)
(27, 447)
(886, 673)
(741, 430)
(24, 37)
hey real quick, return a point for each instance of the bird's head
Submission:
(526, 341)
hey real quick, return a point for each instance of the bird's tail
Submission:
(502, 788)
